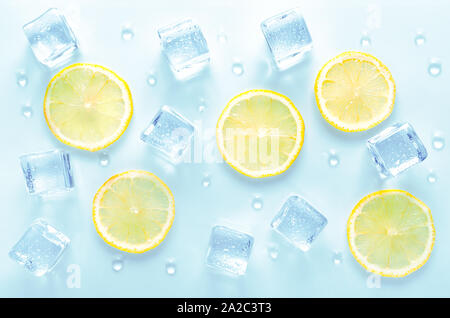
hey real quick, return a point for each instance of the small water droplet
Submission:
(419, 40)
(337, 258)
(201, 108)
(365, 40)
(272, 250)
(431, 178)
(222, 37)
(103, 159)
(438, 142)
(434, 68)
(237, 68)
(117, 264)
(171, 267)
(27, 111)
(127, 33)
(257, 203)
(333, 159)
(206, 181)
(22, 79)
(151, 80)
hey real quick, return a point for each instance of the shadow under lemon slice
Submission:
(391, 233)
(260, 133)
(87, 106)
(133, 211)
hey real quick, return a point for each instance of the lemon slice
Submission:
(355, 91)
(133, 211)
(260, 133)
(87, 106)
(391, 233)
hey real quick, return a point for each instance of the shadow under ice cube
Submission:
(396, 149)
(229, 250)
(51, 38)
(299, 222)
(40, 248)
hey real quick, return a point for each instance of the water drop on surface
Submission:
(237, 68)
(127, 33)
(257, 203)
(333, 159)
(206, 181)
(272, 250)
(222, 38)
(117, 264)
(171, 267)
(103, 159)
(365, 40)
(419, 40)
(337, 258)
(434, 68)
(201, 108)
(22, 79)
(151, 80)
(438, 142)
(431, 178)
(27, 111)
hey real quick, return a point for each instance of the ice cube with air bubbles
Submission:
(170, 134)
(229, 250)
(288, 38)
(299, 222)
(396, 149)
(51, 38)
(40, 248)
(185, 48)
(47, 172)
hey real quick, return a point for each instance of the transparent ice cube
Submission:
(229, 250)
(396, 149)
(170, 134)
(40, 248)
(51, 38)
(185, 47)
(288, 38)
(299, 222)
(47, 172)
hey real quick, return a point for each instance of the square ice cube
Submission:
(299, 222)
(229, 250)
(51, 38)
(47, 172)
(288, 38)
(185, 48)
(395, 149)
(40, 248)
(170, 134)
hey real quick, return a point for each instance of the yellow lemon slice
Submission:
(87, 106)
(355, 91)
(260, 133)
(133, 211)
(391, 233)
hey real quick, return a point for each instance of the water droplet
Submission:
(337, 258)
(438, 142)
(419, 39)
(257, 203)
(171, 267)
(434, 68)
(201, 108)
(272, 250)
(103, 159)
(117, 264)
(365, 40)
(431, 178)
(206, 181)
(237, 68)
(333, 159)
(22, 79)
(222, 37)
(151, 80)
(27, 111)
(127, 33)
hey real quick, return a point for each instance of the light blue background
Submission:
(335, 26)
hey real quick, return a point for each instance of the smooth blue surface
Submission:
(335, 26)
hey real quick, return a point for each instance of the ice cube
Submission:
(299, 222)
(229, 250)
(47, 172)
(51, 38)
(170, 134)
(396, 149)
(185, 48)
(288, 38)
(40, 248)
